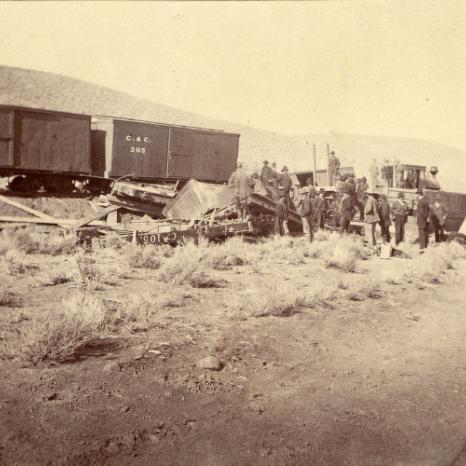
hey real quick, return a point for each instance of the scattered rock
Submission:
(211, 363)
(51, 396)
(112, 448)
(112, 366)
(125, 409)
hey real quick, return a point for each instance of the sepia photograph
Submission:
(233, 233)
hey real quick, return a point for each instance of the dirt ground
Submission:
(362, 382)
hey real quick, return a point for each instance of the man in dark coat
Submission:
(400, 215)
(305, 210)
(439, 215)
(361, 190)
(320, 209)
(384, 215)
(267, 178)
(281, 216)
(346, 211)
(333, 167)
(285, 184)
(423, 219)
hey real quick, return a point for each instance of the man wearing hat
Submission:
(320, 209)
(384, 216)
(266, 175)
(304, 209)
(285, 183)
(439, 215)
(239, 181)
(333, 168)
(400, 215)
(346, 210)
(423, 220)
(361, 190)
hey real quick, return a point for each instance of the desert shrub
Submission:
(8, 298)
(201, 279)
(141, 312)
(393, 275)
(57, 336)
(142, 257)
(321, 235)
(18, 264)
(344, 252)
(185, 261)
(365, 289)
(43, 243)
(116, 242)
(57, 244)
(342, 258)
(433, 263)
(280, 302)
(234, 252)
(57, 278)
(6, 242)
(89, 271)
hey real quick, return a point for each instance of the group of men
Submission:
(269, 183)
(351, 196)
(380, 212)
(312, 207)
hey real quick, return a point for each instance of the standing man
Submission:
(333, 167)
(305, 210)
(281, 216)
(400, 215)
(239, 181)
(285, 184)
(384, 215)
(361, 190)
(346, 210)
(371, 215)
(299, 204)
(266, 174)
(439, 215)
(320, 209)
(423, 217)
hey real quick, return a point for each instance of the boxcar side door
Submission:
(6, 138)
(180, 153)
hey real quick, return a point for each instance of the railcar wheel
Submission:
(57, 185)
(17, 184)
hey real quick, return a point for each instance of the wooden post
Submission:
(315, 163)
(328, 168)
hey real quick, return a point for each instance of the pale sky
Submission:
(384, 68)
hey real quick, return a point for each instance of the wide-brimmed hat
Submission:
(285, 169)
(332, 153)
(321, 190)
(401, 195)
(265, 162)
(363, 178)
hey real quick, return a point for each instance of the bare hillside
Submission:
(46, 90)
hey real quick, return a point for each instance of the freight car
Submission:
(44, 148)
(161, 152)
(49, 149)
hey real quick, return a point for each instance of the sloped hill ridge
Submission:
(55, 92)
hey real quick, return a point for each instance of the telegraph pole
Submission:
(315, 164)
(328, 168)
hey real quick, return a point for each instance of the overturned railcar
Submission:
(160, 152)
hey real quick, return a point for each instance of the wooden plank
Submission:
(29, 210)
(103, 213)
(40, 221)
